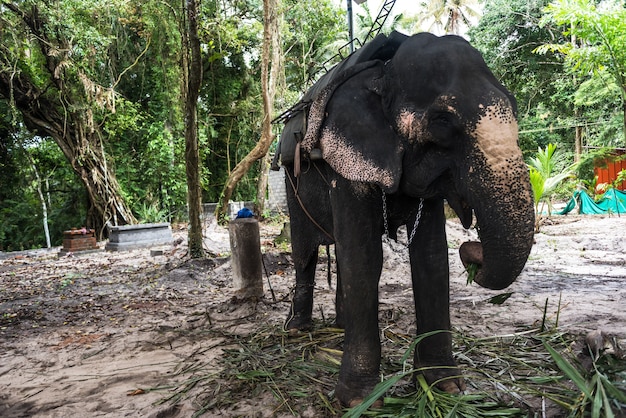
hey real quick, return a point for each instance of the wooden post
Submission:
(245, 247)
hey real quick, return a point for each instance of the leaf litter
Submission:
(113, 334)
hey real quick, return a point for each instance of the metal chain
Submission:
(415, 225)
(385, 215)
(417, 221)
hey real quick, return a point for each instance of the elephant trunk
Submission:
(505, 215)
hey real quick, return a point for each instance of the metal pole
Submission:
(350, 26)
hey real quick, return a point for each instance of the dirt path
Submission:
(108, 334)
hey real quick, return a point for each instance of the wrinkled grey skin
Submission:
(432, 123)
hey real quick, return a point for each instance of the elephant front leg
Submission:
(360, 363)
(359, 260)
(430, 275)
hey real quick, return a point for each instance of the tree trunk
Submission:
(64, 112)
(578, 138)
(578, 130)
(83, 149)
(624, 115)
(270, 64)
(261, 190)
(192, 154)
(42, 200)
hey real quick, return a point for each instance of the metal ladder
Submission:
(378, 24)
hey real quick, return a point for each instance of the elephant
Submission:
(385, 139)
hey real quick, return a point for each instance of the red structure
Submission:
(607, 170)
(79, 240)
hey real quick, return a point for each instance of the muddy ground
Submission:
(113, 334)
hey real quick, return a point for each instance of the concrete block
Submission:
(130, 237)
(246, 261)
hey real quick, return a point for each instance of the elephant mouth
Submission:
(441, 186)
(463, 210)
(471, 252)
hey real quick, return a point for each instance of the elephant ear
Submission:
(347, 122)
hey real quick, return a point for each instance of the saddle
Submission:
(381, 48)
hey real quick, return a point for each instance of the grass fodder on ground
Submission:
(269, 370)
(524, 374)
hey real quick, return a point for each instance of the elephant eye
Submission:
(444, 128)
(442, 119)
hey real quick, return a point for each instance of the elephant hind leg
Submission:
(340, 321)
(300, 314)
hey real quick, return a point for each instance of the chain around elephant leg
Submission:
(300, 313)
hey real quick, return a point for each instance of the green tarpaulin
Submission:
(614, 201)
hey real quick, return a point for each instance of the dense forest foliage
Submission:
(91, 116)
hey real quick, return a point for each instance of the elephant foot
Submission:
(351, 395)
(296, 323)
(378, 403)
(448, 379)
(452, 386)
(300, 316)
(340, 323)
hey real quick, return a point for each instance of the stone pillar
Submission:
(245, 247)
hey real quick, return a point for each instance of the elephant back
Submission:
(381, 48)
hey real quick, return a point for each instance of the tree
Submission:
(45, 66)
(507, 35)
(231, 99)
(449, 15)
(192, 70)
(314, 33)
(596, 45)
(145, 136)
(119, 64)
(22, 157)
(230, 104)
(42, 199)
(270, 63)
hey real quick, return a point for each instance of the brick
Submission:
(79, 240)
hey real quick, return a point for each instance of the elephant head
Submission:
(433, 121)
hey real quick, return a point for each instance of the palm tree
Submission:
(547, 170)
(449, 15)
(366, 20)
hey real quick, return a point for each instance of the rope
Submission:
(306, 212)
